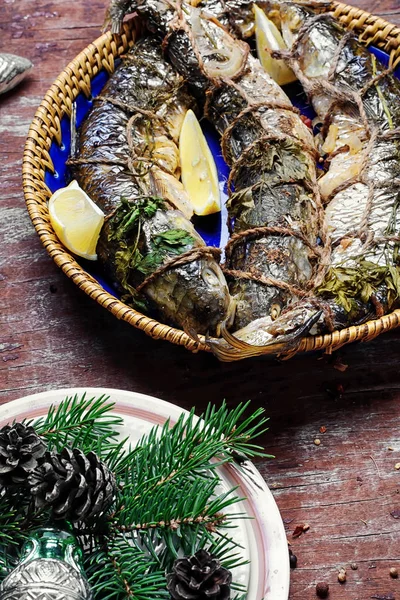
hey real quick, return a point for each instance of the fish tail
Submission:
(231, 348)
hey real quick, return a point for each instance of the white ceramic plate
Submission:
(262, 536)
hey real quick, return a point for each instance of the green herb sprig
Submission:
(132, 261)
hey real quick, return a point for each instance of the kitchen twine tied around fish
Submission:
(375, 134)
(137, 159)
(320, 252)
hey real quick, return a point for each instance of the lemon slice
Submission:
(268, 37)
(199, 173)
(76, 220)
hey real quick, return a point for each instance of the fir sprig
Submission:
(11, 521)
(192, 446)
(120, 571)
(81, 421)
(169, 500)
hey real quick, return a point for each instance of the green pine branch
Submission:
(169, 501)
(191, 447)
(120, 571)
(185, 513)
(85, 422)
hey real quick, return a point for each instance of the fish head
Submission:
(208, 303)
(194, 296)
(281, 336)
(292, 17)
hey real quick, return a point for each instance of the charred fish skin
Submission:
(13, 69)
(256, 133)
(126, 147)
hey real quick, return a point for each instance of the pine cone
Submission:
(75, 485)
(199, 577)
(20, 450)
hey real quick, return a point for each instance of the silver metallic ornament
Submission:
(50, 569)
(12, 70)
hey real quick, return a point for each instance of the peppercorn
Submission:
(322, 589)
(354, 566)
(317, 442)
(292, 559)
(394, 572)
(342, 576)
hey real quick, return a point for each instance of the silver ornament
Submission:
(50, 569)
(12, 70)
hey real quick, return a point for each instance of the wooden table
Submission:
(52, 336)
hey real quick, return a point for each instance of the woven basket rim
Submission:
(45, 128)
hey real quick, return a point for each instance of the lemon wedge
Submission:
(76, 220)
(268, 37)
(199, 173)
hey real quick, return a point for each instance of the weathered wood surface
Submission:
(52, 336)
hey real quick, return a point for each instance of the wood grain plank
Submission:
(53, 336)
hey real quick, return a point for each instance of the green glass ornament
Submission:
(50, 569)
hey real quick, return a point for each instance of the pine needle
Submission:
(169, 502)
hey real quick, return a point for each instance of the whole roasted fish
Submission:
(357, 101)
(232, 14)
(13, 69)
(271, 254)
(127, 161)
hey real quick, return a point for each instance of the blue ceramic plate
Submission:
(213, 229)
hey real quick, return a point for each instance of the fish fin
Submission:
(106, 22)
(112, 22)
(232, 340)
(223, 352)
(115, 14)
(234, 348)
(192, 333)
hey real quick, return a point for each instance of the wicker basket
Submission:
(45, 129)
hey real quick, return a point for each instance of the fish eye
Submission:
(275, 311)
(210, 277)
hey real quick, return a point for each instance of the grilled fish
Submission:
(356, 101)
(236, 15)
(127, 161)
(13, 69)
(270, 257)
